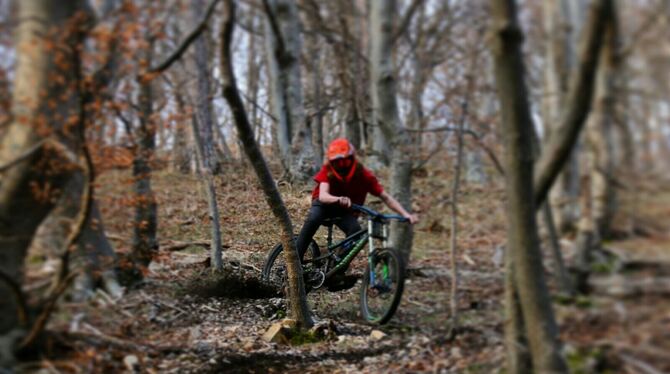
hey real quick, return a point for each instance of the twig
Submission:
(446, 128)
(478, 140)
(454, 215)
(639, 365)
(406, 20)
(185, 44)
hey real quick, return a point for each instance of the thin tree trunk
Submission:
(541, 328)
(284, 48)
(454, 221)
(210, 190)
(181, 152)
(597, 203)
(381, 79)
(560, 26)
(394, 133)
(555, 247)
(203, 93)
(145, 243)
(577, 103)
(297, 298)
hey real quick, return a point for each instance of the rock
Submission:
(249, 346)
(325, 329)
(277, 333)
(203, 347)
(132, 363)
(289, 323)
(377, 335)
(194, 333)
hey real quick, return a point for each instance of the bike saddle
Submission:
(330, 221)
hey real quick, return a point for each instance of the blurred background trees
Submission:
(137, 84)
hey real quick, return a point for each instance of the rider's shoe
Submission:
(341, 282)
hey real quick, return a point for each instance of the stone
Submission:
(277, 333)
(289, 323)
(377, 335)
(132, 363)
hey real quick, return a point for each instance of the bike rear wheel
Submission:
(382, 287)
(274, 269)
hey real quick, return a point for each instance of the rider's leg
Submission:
(317, 213)
(349, 224)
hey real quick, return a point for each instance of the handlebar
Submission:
(377, 215)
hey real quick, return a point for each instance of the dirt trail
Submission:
(162, 327)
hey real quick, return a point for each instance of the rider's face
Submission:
(343, 163)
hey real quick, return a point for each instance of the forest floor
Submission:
(165, 325)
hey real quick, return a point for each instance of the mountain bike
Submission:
(384, 277)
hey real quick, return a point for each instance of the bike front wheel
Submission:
(382, 287)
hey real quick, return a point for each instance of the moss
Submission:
(563, 299)
(588, 360)
(301, 337)
(583, 301)
(603, 267)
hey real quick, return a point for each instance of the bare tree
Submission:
(202, 133)
(561, 25)
(284, 46)
(297, 298)
(26, 196)
(597, 205)
(388, 119)
(526, 262)
(145, 243)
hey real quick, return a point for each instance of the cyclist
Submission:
(342, 181)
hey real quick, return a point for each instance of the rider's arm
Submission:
(326, 198)
(395, 206)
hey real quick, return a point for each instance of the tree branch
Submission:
(281, 47)
(192, 36)
(404, 24)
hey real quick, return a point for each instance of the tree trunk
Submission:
(297, 298)
(386, 107)
(203, 94)
(210, 190)
(577, 103)
(145, 243)
(598, 201)
(538, 318)
(202, 124)
(31, 170)
(560, 24)
(284, 47)
(600, 134)
(381, 80)
(181, 152)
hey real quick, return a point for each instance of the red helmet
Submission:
(340, 148)
(342, 159)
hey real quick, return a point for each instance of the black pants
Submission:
(317, 214)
